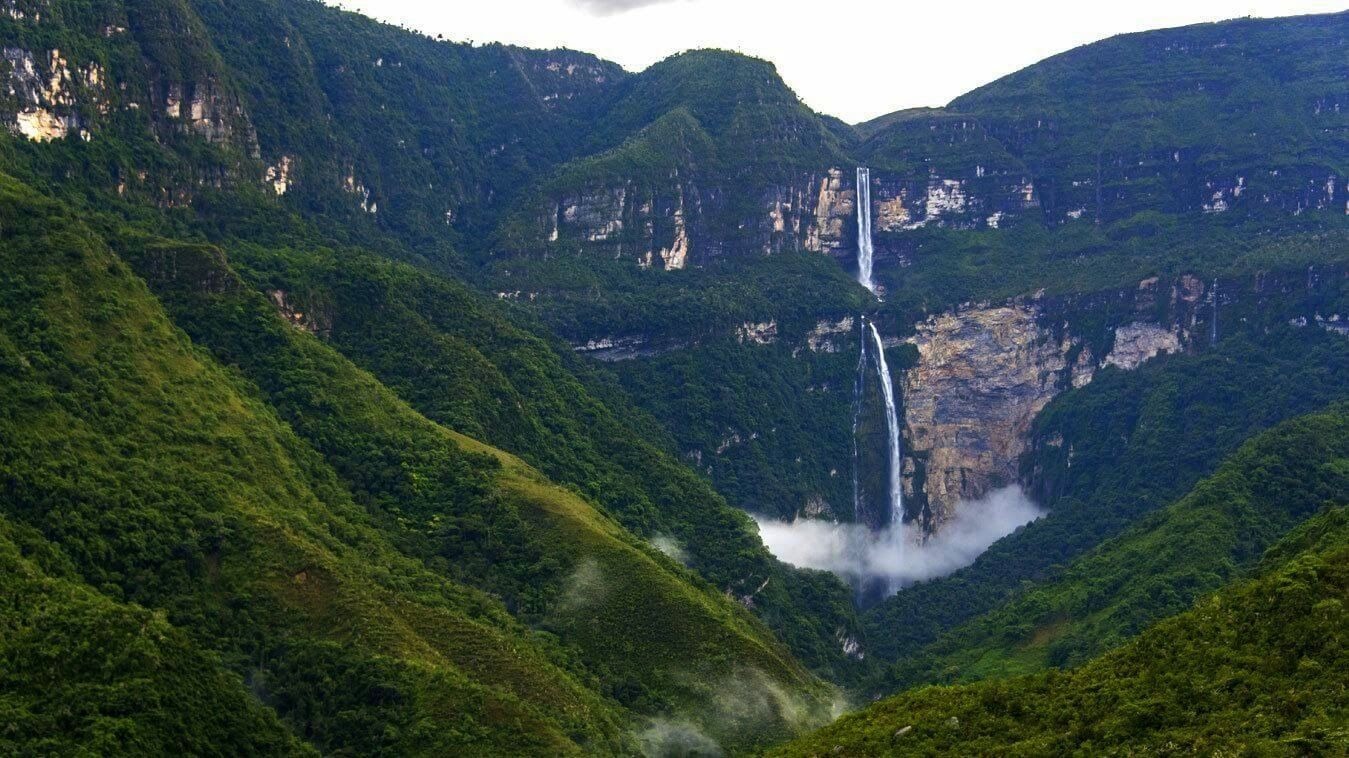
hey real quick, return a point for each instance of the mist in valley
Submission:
(899, 556)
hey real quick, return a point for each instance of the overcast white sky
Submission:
(855, 59)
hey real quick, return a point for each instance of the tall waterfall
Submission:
(864, 248)
(858, 385)
(1213, 324)
(872, 344)
(892, 429)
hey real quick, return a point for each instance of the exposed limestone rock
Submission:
(827, 335)
(849, 644)
(24, 10)
(590, 72)
(982, 376)
(1028, 194)
(729, 441)
(1333, 323)
(353, 186)
(44, 96)
(677, 255)
(833, 206)
(778, 215)
(944, 196)
(791, 221)
(816, 508)
(891, 215)
(1084, 368)
(598, 214)
(41, 125)
(1190, 290)
(612, 349)
(761, 333)
(984, 373)
(203, 108)
(313, 322)
(279, 175)
(1139, 342)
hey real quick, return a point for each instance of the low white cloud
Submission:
(899, 556)
(583, 588)
(664, 738)
(671, 547)
(612, 7)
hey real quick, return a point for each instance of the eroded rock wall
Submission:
(982, 376)
(985, 371)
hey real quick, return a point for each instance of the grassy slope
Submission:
(167, 485)
(307, 77)
(1159, 567)
(79, 671)
(463, 363)
(1260, 668)
(660, 639)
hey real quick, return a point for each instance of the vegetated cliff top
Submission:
(1241, 91)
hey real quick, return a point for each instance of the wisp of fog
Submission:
(898, 556)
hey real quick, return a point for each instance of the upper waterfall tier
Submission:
(864, 247)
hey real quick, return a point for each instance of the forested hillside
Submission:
(1156, 569)
(1256, 667)
(369, 393)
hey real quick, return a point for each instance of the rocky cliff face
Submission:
(679, 224)
(982, 376)
(127, 73)
(204, 108)
(834, 205)
(654, 226)
(47, 98)
(1138, 342)
(984, 372)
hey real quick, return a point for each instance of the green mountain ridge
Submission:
(295, 431)
(1157, 568)
(355, 587)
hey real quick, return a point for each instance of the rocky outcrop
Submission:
(353, 186)
(676, 256)
(315, 320)
(835, 204)
(1138, 342)
(982, 376)
(24, 10)
(760, 333)
(891, 215)
(44, 94)
(815, 212)
(1334, 323)
(204, 108)
(830, 336)
(597, 214)
(613, 349)
(625, 220)
(985, 371)
(279, 174)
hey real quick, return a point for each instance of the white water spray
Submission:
(892, 429)
(864, 247)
